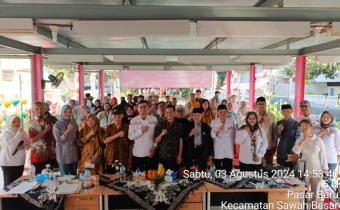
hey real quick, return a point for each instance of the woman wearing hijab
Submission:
(90, 141)
(253, 143)
(66, 133)
(12, 155)
(330, 136)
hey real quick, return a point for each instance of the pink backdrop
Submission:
(165, 79)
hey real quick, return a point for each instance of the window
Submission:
(331, 92)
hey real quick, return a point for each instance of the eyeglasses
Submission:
(304, 106)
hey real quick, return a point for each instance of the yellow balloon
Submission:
(0, 120)
(23, 101)
(7, 103)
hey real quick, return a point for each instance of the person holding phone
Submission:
(66, 133)
(12, 155)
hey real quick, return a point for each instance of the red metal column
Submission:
(299, 83)
(37, 78)
(252, 79)
(101, 84)
(227, 82)
(81, 82)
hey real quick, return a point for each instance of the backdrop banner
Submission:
(166, 79)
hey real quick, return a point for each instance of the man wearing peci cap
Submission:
(267, 121)
(223, 131)
(200, 144)
(287, 130)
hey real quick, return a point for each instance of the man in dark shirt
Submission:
(287, 130)
(47, 113)
(180, 118)
(200, 143)
(169, 140)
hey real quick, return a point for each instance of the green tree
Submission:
(314, 68)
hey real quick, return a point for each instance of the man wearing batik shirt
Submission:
(41, 137)
(169, 140)
(267, 121)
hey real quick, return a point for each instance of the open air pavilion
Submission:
(169, 35)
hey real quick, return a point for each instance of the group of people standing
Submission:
(142, 132)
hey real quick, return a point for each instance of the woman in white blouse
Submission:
(314, 154)
(253, 143)
(12, 155)
(330, 136)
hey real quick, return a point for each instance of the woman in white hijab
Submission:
(12, 155)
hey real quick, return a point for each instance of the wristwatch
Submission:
(154, 145)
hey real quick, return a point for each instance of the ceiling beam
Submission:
(60, 39)
(214, 43)
(13, 44)
(144, 42)
(285, 42)
(138, 51)
(320, 47)
(114, 12)
(167, 63)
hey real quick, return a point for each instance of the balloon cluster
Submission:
(13, 102)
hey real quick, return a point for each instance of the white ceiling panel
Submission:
(312, 3)
(32, 39)
(247, 43)
(75, 58)
(133, 28)
(252, 29)
(265, 59)
(178, 42)
(16, 25)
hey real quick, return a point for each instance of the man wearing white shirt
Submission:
(307, 114)
(223, 131)
(141, 131)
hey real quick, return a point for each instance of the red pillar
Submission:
(37, 78)
(101, 84)
(227, 82)
(252, 79)
(81, 82)
(299, 83)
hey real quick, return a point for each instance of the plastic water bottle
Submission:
(212, 171)
(138, 174)
(122, 174)
(32, 173)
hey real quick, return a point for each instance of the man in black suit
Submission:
(200, 145)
